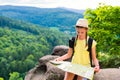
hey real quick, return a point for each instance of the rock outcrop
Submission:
(108, 74)
(46, 71)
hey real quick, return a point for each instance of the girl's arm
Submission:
(66, 56)
(95, 60)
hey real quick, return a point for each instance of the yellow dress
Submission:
(81, 55)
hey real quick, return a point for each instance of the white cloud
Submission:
(77, 4)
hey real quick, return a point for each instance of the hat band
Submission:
(81, 27)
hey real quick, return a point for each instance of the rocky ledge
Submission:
(46, 71)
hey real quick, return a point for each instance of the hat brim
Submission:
(81, 27)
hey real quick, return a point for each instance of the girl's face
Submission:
(81, 32)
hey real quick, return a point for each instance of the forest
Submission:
(60, 18)
(23, 43)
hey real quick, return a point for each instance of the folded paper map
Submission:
(84, 71)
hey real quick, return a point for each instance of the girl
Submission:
(80, 55)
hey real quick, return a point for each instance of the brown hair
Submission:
(86, 42)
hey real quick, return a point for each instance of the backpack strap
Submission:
(90, 41)
(72, 42)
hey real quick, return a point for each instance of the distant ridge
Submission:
(62, 18)
(73, 10)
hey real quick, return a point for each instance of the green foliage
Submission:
(1, 78)
(47, 17)
(104, 28)
(22, 44)
(15, 76)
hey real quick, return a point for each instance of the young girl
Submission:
(80, 55)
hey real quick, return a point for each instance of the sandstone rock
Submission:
(60, 50)
(46, 71)
(108, 74)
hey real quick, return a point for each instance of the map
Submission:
(84, 71)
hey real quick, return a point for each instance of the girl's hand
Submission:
(97, 68)
(58, 59)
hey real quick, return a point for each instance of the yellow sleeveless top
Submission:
(81, 55)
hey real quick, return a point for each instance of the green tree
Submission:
(104, 28)
(15, 76)
(22, 44)
(1, 78)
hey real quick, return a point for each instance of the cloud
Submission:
(77, 4)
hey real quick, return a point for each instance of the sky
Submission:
(75, 4)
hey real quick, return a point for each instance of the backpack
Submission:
(90, 40)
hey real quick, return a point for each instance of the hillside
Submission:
(22, 44)
(62, 18)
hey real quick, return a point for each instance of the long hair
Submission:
(75, 40)
(86, 42)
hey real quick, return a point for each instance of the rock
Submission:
(46, 71)
(108, 74)
(60, 50)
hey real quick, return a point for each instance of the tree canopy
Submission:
(105, 29)
(22, 44)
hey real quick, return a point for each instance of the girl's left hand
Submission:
(97, 68)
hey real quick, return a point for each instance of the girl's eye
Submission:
(82, 32)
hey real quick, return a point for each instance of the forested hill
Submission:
(22, 44)
(51, 37)
(62, 18)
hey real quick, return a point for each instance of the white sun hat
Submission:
(82, 23)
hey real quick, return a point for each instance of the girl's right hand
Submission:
(58, 59)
